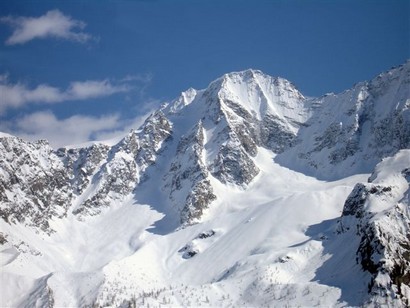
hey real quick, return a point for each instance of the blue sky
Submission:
(72, 71)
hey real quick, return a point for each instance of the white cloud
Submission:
(18, 94)
(60, 132)
(91, 89)
(77, 129)
(52, 24)
(144, 78)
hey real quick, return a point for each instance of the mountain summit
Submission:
(245, 193)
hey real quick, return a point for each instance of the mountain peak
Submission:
(183, 100)
(245, 74)
(252, 76)
(217, 191)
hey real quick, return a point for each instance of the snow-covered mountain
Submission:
(245, 193)
(350, 132)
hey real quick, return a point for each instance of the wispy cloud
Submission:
(94, 88)
(52, 24)
(14, 95)
(73, 130)
(60, 132)
(77, 128)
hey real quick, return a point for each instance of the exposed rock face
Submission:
(233, 164)
(227, 129)
(189, 177)
(351, 132)
(39, 183)
(122, 166)
(268, 114)
(274, 134)
(155, 131)
(379, 215)
(83, 163)
(214, 134)
(34, 185)
(197, 201)
(210, 141)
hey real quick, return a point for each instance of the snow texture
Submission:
(245, 193)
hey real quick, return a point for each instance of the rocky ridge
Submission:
(351, 132)
(378, 213)
(216, 132)
(212, 138)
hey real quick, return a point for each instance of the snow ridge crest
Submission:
(196, 161)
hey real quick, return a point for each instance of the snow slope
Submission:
(242, 194)
(252, 248)
(350, 132)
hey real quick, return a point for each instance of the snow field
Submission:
(260, 252)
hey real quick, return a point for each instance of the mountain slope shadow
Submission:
(340, 268)
(149, 192)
